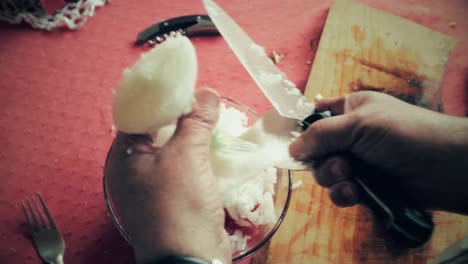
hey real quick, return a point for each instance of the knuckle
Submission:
(355, 118)
(317, 129)
(321, 178)
(357, 100)
(203, 117)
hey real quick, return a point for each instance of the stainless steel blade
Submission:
(281, 92)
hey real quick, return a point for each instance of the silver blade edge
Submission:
(283, 94)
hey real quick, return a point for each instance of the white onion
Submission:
(158, 88)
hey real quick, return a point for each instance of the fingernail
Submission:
(208, 97)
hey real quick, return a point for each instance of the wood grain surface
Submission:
(362, 48)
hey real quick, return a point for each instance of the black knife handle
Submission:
(191, 25)
(405, 222)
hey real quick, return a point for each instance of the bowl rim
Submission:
(243, 254)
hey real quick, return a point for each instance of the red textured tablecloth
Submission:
(55, 101)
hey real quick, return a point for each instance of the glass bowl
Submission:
(263, 233)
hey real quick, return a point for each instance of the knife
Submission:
(406, 223)
(190, 25)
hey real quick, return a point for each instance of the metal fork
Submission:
(46, 237)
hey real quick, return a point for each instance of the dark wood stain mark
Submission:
(412, 78)
(358, 86)
(375, 68)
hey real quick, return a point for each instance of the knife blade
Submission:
(408, 224)
(283, 94)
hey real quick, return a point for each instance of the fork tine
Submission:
(46, 211)
(28, 221)
(40, 214)
(35, 223)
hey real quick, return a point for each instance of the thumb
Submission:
(333, 134)
(196, 127)
(327, 136)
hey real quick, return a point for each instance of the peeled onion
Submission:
(158, 88)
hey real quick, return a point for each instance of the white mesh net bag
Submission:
(73, 15)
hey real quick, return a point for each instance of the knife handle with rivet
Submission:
(189, 25)
(407, 224)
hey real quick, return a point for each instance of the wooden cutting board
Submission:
(362, 48)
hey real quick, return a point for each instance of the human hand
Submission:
(425, 152)
(168, 196)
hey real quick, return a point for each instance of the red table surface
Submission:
(56, 93)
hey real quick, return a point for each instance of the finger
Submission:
(324, 137)
(345, 104)
(196, 127)
(127, 144)
(344, 194)
(335, 105)
(125, 152)
(332, 171)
